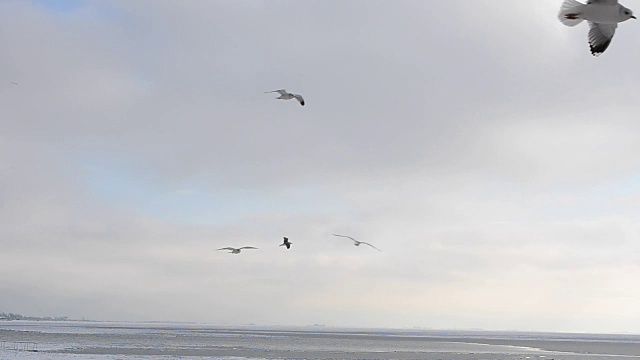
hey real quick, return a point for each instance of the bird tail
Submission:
(570, 12)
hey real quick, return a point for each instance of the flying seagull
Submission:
(356, 242)
(603, 17)
(236, 251)
(286, 243)
(284, 95)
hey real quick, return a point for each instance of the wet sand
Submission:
(580, 347)
(330, 355)
(507, 349)
(151, 341)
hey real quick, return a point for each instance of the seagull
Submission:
(603, 17)
(356, 242)
(284, 95)
(286, 243)
(236, 251)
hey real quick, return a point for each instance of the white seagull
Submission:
(236, 251)
(603, 17)
(356, 242)
(284, 95)
(286, 243)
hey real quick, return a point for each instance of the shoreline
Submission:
(97, 339)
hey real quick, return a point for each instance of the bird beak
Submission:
(633, 17)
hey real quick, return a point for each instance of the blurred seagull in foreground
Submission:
(356, 242)
(236, 251)
(284, 95)
(286, 243)
(603, 17)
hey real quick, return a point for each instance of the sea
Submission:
(75, 340)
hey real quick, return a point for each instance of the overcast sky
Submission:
(478, 144)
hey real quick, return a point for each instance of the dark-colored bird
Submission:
(356, 242)
(286, 243)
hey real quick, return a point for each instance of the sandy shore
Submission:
(517, 349)
(329, 355)
(146, 341)
(283, 354)
(580, 347)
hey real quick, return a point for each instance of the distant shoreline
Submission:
(34, 318)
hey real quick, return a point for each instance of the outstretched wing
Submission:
(281, 91)
(248, 247)
(227, 248)
(345, 236)
(600, 36)
(366, 243)
(299, 98)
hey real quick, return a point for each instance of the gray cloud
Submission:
(478, 145)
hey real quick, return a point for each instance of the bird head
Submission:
(627, 13)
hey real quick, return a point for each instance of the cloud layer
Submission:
(480, 146)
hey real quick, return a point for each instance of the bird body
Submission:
(284, 95)
(356, 242)
(603, 17)
(286, 243)
(236, 250)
